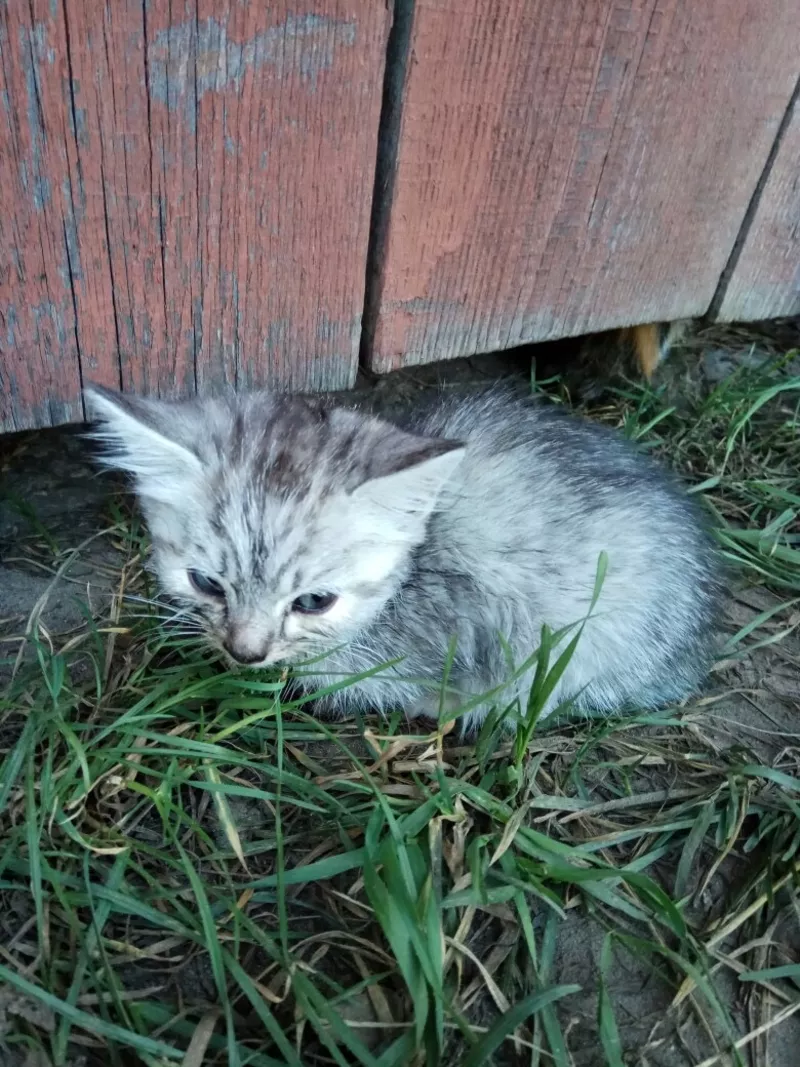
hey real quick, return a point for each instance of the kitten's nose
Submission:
(243, 649)
(243, 655)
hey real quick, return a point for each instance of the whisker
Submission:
(156, 601)
(172, 613)
(145, 615)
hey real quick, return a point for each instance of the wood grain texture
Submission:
(566, 166)
(39, 369)
(765, 281)
(185, 199)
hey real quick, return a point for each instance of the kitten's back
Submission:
(540, 496)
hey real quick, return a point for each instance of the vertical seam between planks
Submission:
(105, 216)
(70, 265)
(755, 201)
(197, 318)
(398, 48)
(153, 196)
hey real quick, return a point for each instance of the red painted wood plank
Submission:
(573, 165)
(765, 282)
(209, 166)
(288, 104)
(39, 372)
(121, 295)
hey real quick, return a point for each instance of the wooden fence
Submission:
(194, 194)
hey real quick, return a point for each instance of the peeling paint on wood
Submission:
(185, 195)
(572, 165)
(765, 282)
(218, 63)
(39, 369)
(282, 208)
(185, 185)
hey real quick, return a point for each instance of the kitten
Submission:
(291, 528)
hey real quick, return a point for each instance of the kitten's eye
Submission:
(314, 603)
(205, 585)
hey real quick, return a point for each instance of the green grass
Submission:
(195, 871)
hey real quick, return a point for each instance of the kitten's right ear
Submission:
(140, 437)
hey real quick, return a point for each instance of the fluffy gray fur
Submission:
(481, 520)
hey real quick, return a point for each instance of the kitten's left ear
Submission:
(143, 437)
(411, 473)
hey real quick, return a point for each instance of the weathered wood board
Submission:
(566, 166)
(765, 281)
(39, 366)
(185, 193)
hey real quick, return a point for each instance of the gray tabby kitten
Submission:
(289, 528)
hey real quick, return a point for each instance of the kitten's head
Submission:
(283, 525)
